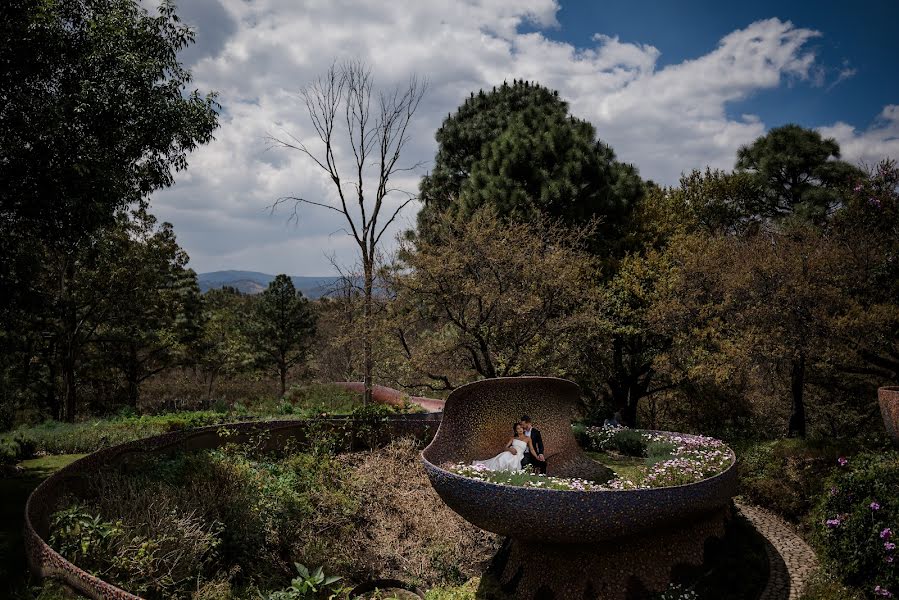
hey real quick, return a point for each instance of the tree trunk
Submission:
(69, 384)
(69, 327)
(796, 427)
(282, 371)
(133, 376)
(367, 329)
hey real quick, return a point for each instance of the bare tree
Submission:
(344, 110)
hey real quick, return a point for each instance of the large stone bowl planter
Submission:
(889, 409)
(599, 544)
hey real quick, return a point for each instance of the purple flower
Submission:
(834, 491)
(843, 461)
(875, 505)
(888, 559)
(886, 534)
(833, 522)
(879, 591)
(889, 546)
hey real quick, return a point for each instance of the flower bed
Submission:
(671, 459)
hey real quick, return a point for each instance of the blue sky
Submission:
(671, 86)
(861, 37)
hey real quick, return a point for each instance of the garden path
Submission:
(791, 560)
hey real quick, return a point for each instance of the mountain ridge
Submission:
(255, 282)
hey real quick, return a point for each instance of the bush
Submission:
(785, 476)
(856, 522)
(629, 442)
(15, 448)
(162, 564)
(824, 587)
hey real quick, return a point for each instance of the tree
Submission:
(343, 100)
(156, 316)
(799, 173)
(96, 116)
(771, 300)
(493, 299)
(283, 326)
(518, 150)
(224, 348)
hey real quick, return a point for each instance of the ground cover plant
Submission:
(662, 460)
(235, 523)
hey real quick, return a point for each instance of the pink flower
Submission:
(843, 461)
(875, 506)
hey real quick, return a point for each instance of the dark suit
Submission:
(537, 442)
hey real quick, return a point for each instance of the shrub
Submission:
(785, 476)
(856, 521)
(657, 451)
(824, 587)
(629, 442)
(159, 564)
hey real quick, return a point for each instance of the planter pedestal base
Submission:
(626, 568)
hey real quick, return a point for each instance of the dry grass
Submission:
(404, 530)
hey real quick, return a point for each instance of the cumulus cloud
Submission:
(258, 55)
(872, 145)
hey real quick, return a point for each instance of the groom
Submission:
(532, 432)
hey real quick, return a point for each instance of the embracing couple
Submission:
(525, 448)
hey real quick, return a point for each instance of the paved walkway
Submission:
(792, 560)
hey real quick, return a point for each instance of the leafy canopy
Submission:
(517, 150)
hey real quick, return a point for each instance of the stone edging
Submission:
(44, 561)
(791, 560)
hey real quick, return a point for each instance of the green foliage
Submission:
(856, 521)
(517, 150)
(785, 476)
(497, 299)
(823, 586)
(16, 447)
(659, 450)
(308, 584)
(97, 115)
(798, 172)
(629, 442)
(81, 535)
(282, 327)
(154, 564)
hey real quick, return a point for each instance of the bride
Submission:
(510, 460)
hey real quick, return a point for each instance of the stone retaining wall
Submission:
(44, 501)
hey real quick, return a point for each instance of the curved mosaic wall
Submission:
(43, 502)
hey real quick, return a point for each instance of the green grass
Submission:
(14, 492)
(54, 437)
(627, 467)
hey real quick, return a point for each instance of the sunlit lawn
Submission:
(626, 467)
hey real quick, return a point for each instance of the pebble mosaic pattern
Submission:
(46, 562)
(889, 409)
(621, 569)
(790, 559)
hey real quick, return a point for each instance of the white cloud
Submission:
(259, 54)
(871, 145)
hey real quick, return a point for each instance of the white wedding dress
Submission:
(505, 461)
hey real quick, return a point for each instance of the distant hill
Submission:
(252, 282)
